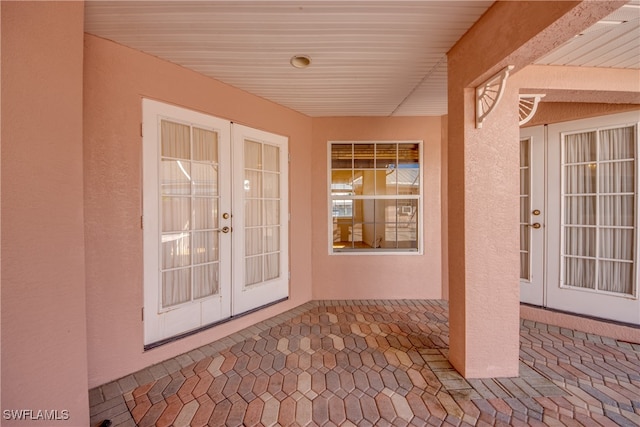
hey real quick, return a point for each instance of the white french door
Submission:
(590, 224)
(532, 214)
(197, 185)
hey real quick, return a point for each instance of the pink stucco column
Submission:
(483, 179)
(44, 341)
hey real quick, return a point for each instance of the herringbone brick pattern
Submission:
(381, 363)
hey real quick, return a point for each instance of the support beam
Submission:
(483, 211)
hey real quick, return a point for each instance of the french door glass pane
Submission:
(205, 247)
(205, 145)
(176, 250)
(175, 140)
(176, 287)
(271, 239)
(271, 158)
(620, 143)
(252, 183)
(253, 241)
(253, 270)
(580, 241)
(580, 147)
(205, 179)
(252, 213)
(205, 280)
(599, 187)
(272, 266)
(252, 155)
(580, 273)
(176, 213)
(175, 177)
(271, 185)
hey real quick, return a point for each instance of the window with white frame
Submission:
(376, 196)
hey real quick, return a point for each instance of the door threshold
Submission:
(621, 331)
(210, 325)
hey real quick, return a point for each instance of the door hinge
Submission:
(142, 222)
(142, 314)
(141, 130)
(289, 154)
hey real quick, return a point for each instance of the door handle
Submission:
(535, 225)
(225, 229)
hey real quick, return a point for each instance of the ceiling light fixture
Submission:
(300, 61)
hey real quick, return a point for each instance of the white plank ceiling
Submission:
(368, 58)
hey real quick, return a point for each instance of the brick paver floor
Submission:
(382, 363)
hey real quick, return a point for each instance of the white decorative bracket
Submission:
(488, 94)
(528, 106)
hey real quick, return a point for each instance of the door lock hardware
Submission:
(225, 215)
(535, 225)
(225, 229)
(536, 212)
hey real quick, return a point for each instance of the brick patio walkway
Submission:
(382, 363)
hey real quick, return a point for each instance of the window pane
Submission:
(205, 145)
(580, 210)
(271, 266)
(409, 181)
(176, 213)
(272, 212)
(363, 156)
(205, 179)
(176, 250)
(525, 235)
(253, 270)
(252, 183)
(205, 280)
(616, 277)
(617, 177)
(176, 287)
(342, 182)
(341, 156)
(386, 156)
(252, 155)
(253, 241)
(205, 213)
(252, 213)
(271, 185)
(617, 210)
(617, 143)
(580, 272)
(205, 247)
(616, 243)
(580, 241)
(271, 158)
(580, 148)
(271, 239)
(580, 179)
(176, 140)
(175, 177)
(524, 152)
(408, 154)
(364, 182)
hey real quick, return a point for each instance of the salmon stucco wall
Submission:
(364, 276)
(44, 342)
(116, 79)
(556, 112)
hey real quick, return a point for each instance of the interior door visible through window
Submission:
(195, 201)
